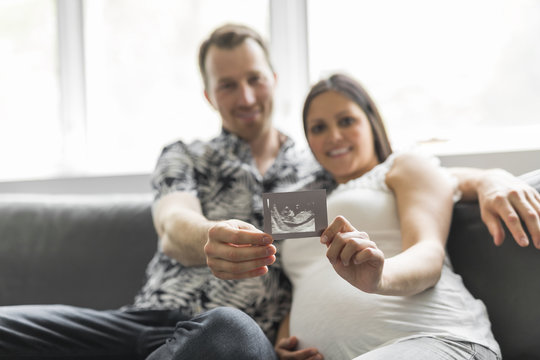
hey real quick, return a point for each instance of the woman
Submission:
(388, 292)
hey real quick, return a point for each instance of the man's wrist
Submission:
(470, 180)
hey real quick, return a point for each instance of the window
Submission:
(453, 76)
(30, 131)
(143, 84)
(98, 87)
(128, 82)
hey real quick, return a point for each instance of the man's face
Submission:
(241, 87)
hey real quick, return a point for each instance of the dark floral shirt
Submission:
(223, 175)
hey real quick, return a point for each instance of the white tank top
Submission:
(343, 322)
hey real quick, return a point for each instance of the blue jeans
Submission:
(66, 332)
(426, 348)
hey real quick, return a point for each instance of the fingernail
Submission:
(266, 240)
(260, 271)
(523, 240)
(324, 239)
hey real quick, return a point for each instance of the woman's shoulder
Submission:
(412, 159)
(414, 168)
(410, 163)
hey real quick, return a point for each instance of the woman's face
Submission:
(339, 135)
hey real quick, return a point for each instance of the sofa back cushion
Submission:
(82, 250)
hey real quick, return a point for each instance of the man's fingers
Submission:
(237, 253)
(519, 210)
(534, 200)
(250, 274)
(536, 195)
(509, 214)
(237, 267)
(529, 211)
(229, 271)
(494, 227)
(504, 208)
(222, 232)
(252, 238)
(232, 252)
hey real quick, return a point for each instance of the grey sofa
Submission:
(91, 251)
(506, 278)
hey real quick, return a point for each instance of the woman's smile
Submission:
(339, 152)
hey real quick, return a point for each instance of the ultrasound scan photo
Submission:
(295, 214)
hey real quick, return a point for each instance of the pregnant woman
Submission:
(380, 285)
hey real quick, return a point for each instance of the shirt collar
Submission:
(232, 143)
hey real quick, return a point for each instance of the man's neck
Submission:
(265, 149)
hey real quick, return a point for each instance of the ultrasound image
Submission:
(288, 218)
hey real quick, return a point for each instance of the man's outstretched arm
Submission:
(181, 227)
(233, 249)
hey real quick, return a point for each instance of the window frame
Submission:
(71, 78)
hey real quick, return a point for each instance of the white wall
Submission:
(84, 185)
(516, 162)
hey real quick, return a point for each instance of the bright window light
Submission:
(143, 84)
(450, 76)
(140, 90)
(30, 132)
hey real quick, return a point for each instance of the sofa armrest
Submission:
(82, 250)
(505, 278)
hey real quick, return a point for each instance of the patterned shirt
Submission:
(223, 175)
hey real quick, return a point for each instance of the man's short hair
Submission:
(229, 36)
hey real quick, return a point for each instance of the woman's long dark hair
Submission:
(352, 89)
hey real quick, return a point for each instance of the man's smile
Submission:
(248, 115)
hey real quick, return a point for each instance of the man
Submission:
(224, 179)
(189, 297)
(208, 210)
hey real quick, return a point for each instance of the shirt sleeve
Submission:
(174, 171)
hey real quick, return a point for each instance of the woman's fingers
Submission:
(339, 225)
(345, 246)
